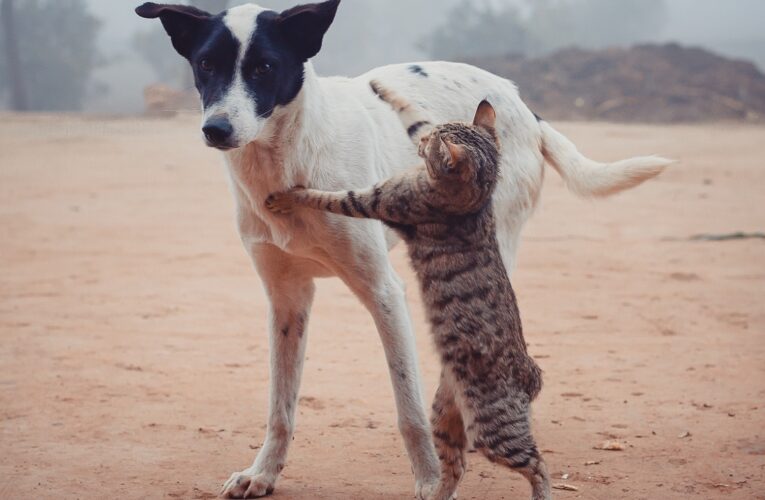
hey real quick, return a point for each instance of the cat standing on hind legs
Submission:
(444, 213)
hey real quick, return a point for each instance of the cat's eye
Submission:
(423, 145)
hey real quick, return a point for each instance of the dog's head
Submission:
(246, 60)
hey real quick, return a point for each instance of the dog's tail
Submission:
(586, 177)
(414, 119)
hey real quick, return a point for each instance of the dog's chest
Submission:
(254, 173)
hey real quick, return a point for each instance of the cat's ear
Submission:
(454, 152)
(181, 22)
(304, 26)
(485, 116)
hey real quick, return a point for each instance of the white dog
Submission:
(280, 125)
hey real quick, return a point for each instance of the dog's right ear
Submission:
(181, 22)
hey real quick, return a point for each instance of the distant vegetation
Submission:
(53, 56)
(47, 54)
(484, 29)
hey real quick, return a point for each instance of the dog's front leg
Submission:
(382, 292)
(290, 291)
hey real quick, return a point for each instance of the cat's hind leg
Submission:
(503, 435)
(450, 440)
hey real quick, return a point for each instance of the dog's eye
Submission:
(206, 66)
(262, 69)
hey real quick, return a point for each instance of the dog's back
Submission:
(448, 92)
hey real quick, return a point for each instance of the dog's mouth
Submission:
(220, 146)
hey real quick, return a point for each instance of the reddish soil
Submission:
(133, 347)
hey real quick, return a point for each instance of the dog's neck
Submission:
(284, 153)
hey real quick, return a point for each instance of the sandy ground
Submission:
(133, 348)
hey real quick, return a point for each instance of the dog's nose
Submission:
(217, 131)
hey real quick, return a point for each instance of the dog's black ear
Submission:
(181, 22)
(304, 26)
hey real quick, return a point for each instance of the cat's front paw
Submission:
(280, 203)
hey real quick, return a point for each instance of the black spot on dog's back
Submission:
(418, 70)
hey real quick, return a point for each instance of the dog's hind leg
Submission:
(290, 290)
(371, 277)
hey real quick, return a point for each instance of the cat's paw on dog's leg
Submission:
(280, 203)
(284, 202)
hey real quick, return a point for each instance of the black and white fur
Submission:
(280, 125)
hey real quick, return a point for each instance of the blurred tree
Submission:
(12, 68)
(477, 29)
(370, 33)
(594, 23)
(483, 29)
(55, 46)
(154, 47)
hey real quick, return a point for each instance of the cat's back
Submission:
(459, 267)
(470, 302)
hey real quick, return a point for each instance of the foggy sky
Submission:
(388, 31)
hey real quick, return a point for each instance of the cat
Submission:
(443, 212)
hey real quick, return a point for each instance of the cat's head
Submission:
(466, 153)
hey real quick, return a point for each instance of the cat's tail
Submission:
(586, 177)
(413, 118)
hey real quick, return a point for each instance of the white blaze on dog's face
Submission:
(246, 61)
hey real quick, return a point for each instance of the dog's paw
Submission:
(436, 491)
(426, 491)
(279, 203)
(248, 484)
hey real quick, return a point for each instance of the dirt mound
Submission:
(163, 100)
(646, 83)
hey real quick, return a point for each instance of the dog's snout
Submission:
(218, 131)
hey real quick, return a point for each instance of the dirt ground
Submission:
(133, 346)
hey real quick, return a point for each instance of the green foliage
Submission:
(57, 52)
(482, 29)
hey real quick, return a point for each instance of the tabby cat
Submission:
(444, 213)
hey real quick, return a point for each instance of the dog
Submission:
(279, 125)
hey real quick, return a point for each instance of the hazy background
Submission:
(100, 55)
